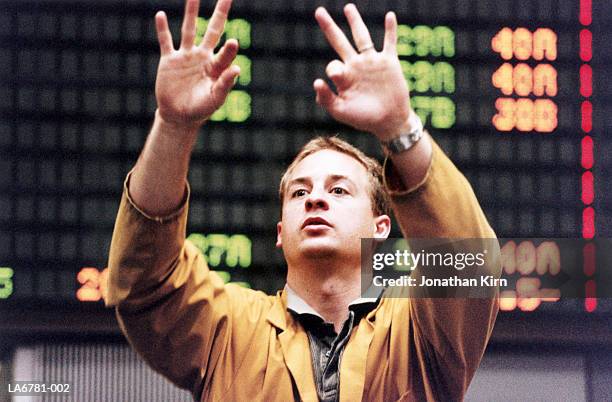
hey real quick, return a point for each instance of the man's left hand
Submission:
(372, 93)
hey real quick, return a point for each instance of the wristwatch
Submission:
(405, 141)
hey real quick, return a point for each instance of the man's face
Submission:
(327, 208)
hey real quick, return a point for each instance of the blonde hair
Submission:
(378, 195)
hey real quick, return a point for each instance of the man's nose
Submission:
(316, 200)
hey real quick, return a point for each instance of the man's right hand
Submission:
(193, 82)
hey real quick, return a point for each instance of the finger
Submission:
(164, 37)
(390, 33)
(335, 70)
(224, 84)
(216, 24)
(188, 30)
(334, 34)
(325, 96)
(224, 57)
(361, 35)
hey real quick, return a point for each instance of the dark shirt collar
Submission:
(364, 304)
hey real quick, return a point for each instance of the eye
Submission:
(339, 191)
(298, 193)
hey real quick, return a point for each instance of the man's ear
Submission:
(279, 229)
(382, 227)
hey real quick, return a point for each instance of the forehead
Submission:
(327, 162)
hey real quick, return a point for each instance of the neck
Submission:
(327, 286)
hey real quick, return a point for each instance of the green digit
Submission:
(443, 42)
(217, 247)
(245, 69)
(443, 112)
(239, 251)
(444, 78)
(423, 74)
(422, 107)
(405, 45)
(238, 105)
(240, 30)
(423, 38)
(6, 282)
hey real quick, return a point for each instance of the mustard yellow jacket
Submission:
(227, 343)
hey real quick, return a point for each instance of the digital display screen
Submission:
(514, 91)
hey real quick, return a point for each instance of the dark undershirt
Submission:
(326, 347)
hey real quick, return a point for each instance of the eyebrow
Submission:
(308, 180)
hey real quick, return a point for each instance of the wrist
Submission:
(171, 125)
(405, 136)
(396, 127)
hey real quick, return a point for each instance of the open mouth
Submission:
(315, 221)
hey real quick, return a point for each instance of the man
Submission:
(317, 339)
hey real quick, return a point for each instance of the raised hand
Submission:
(372, 94)
(193, 82)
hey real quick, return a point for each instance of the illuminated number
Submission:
(217, 244)
(441, 109)
(524, 115)
(422, 73)
(423, 41)
(404, 41)
(522, 79)
(444, 78)
(502, 79)
(422, 37)
(237, 108)
(6, 282)
(504, 119)
(422, 107)
(239, 251)
(238, 29)
(522, 43)
(443, 112)
(245, 69)
(549, 258)
(443, 42)
(89, 277)
(545, 80)
(545, 115)
(422, 76)
(544, 44)
(502, 43)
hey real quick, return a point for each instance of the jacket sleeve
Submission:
(452, 332)
(175, 312)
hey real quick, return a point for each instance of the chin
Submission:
(318, 248)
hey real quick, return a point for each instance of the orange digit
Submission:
(545, 115)
(545, 80)
(502, 79)
(504, 119)
(524, 115)
(89, 277)
(502, 43)
(544, 44)
(522, 79)
(522, 43)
